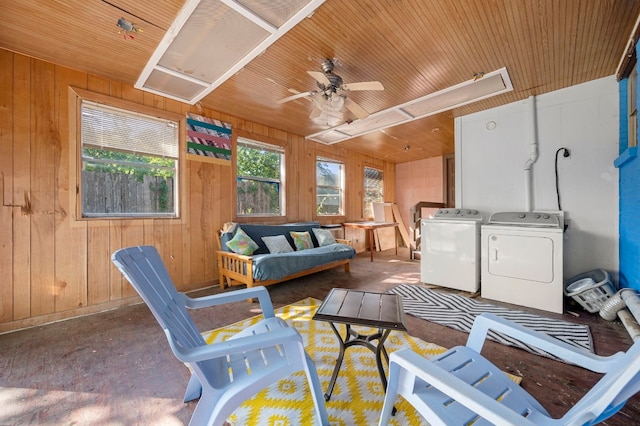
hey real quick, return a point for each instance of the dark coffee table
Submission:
(365, 308)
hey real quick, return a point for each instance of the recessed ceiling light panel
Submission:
(490, 84)
(456, 96)
(163, 80)
(330, 137)
(385, 119)
(211, 40)
(276, 13)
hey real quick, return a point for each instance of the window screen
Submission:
(329, 187)
(129, 163)
(260, 178)
(373, 190)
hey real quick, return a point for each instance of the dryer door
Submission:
(523, 257)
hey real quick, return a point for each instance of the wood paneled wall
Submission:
(54, 267)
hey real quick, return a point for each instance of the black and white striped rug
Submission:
(458, 312)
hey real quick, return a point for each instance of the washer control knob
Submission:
(537, 216)
(456, 211)
(521, 215)
(545, 216)
(442, 212)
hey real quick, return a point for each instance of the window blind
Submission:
(107, 127)
(248, 143)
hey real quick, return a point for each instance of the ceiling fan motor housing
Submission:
(334, 79)
(336, 83)
(327, 66)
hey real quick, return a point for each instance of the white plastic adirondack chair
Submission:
(461, 387)
(223, 374)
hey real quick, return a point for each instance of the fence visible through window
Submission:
(129, 163)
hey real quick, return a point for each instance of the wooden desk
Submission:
(352, 307)
(369, 227)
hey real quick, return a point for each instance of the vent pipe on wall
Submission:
(533, 154)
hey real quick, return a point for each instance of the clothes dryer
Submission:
(522, 259)
(450, 249)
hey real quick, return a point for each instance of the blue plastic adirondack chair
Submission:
(461, 386)
(223, 374)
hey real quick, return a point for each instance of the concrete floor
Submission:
(115, 367)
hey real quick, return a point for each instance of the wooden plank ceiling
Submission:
(414, 47)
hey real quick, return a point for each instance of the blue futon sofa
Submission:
(265, 267)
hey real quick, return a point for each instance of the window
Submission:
(632, 108)
(373, 190)
(129, 163)
(260, 178)
(329, 187)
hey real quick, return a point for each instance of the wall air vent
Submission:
(211, 40)
(491, 84)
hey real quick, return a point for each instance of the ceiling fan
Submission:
(331, 94)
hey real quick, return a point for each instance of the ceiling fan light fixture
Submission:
(333, 92)
(211, 40)
(336, 101)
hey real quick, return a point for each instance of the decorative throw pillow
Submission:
(302, 240)
(324, 237)
(277, 244)
(241, 243)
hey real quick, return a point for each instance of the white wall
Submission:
(584, 118)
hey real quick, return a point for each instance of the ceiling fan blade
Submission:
(320, 78)
(296, 96)
(363, 85)
(356, 109)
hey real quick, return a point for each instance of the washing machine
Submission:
(522, 259)
(450, 249)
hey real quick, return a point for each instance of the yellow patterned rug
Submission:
(358, 394)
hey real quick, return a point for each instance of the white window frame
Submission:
(76, 99)
(339, 187)
(281, 182)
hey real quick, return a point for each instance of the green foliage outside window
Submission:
(259, 183)
(258, 163)
(127, 163)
